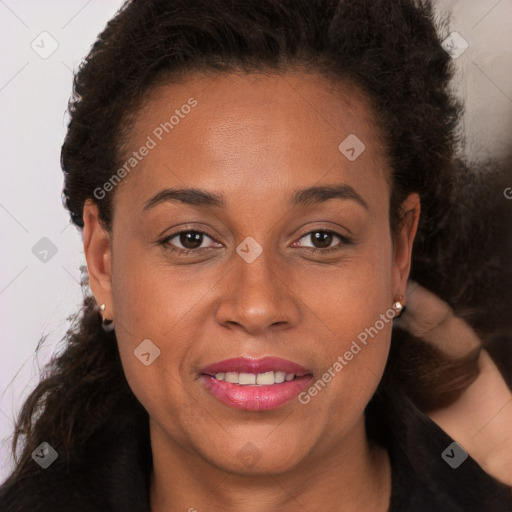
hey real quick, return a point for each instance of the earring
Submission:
(399, 307)
(106, 325)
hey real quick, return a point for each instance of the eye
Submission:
(194, 241)
(188, 241)
(322, 239)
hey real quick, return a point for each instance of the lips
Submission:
(243, 383)
(255, 366)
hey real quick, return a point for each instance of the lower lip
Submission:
(253, 397)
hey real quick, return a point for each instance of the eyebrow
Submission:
(321, 193)
(190, 196)
(300, 197)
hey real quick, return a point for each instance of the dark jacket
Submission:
(115, 477)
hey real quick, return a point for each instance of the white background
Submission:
(36, 297)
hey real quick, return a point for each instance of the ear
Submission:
(98, 254)
(402, 250)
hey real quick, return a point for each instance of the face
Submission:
(285, 252)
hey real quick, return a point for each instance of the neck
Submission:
(351, 476)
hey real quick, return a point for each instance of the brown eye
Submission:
(321, 239)
(191, 239)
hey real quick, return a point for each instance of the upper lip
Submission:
(249, 365)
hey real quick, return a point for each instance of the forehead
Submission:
(249, 132)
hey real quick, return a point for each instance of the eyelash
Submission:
(343, 239)
(184, 252)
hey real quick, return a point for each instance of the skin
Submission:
(480, 419)
(255, 139)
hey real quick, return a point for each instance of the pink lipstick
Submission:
(255, 384)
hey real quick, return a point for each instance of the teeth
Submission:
(260, 379)
(266, 378)
(231, 377)
(280, 376)
(246, 378)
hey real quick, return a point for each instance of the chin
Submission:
(252, 458)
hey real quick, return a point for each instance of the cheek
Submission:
(350, 296)
(168, 305)
(353, 305)
(146, 308)
(152, 297)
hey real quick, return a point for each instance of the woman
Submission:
(249, 179)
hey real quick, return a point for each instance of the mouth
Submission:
(255, 384)
(258, 379)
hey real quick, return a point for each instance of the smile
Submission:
(259, 379)
(255, 384)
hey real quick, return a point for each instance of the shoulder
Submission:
(429, 470)
(111, 475)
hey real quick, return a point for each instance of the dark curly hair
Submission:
(389, 50)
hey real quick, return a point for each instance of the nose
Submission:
(257, 296)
